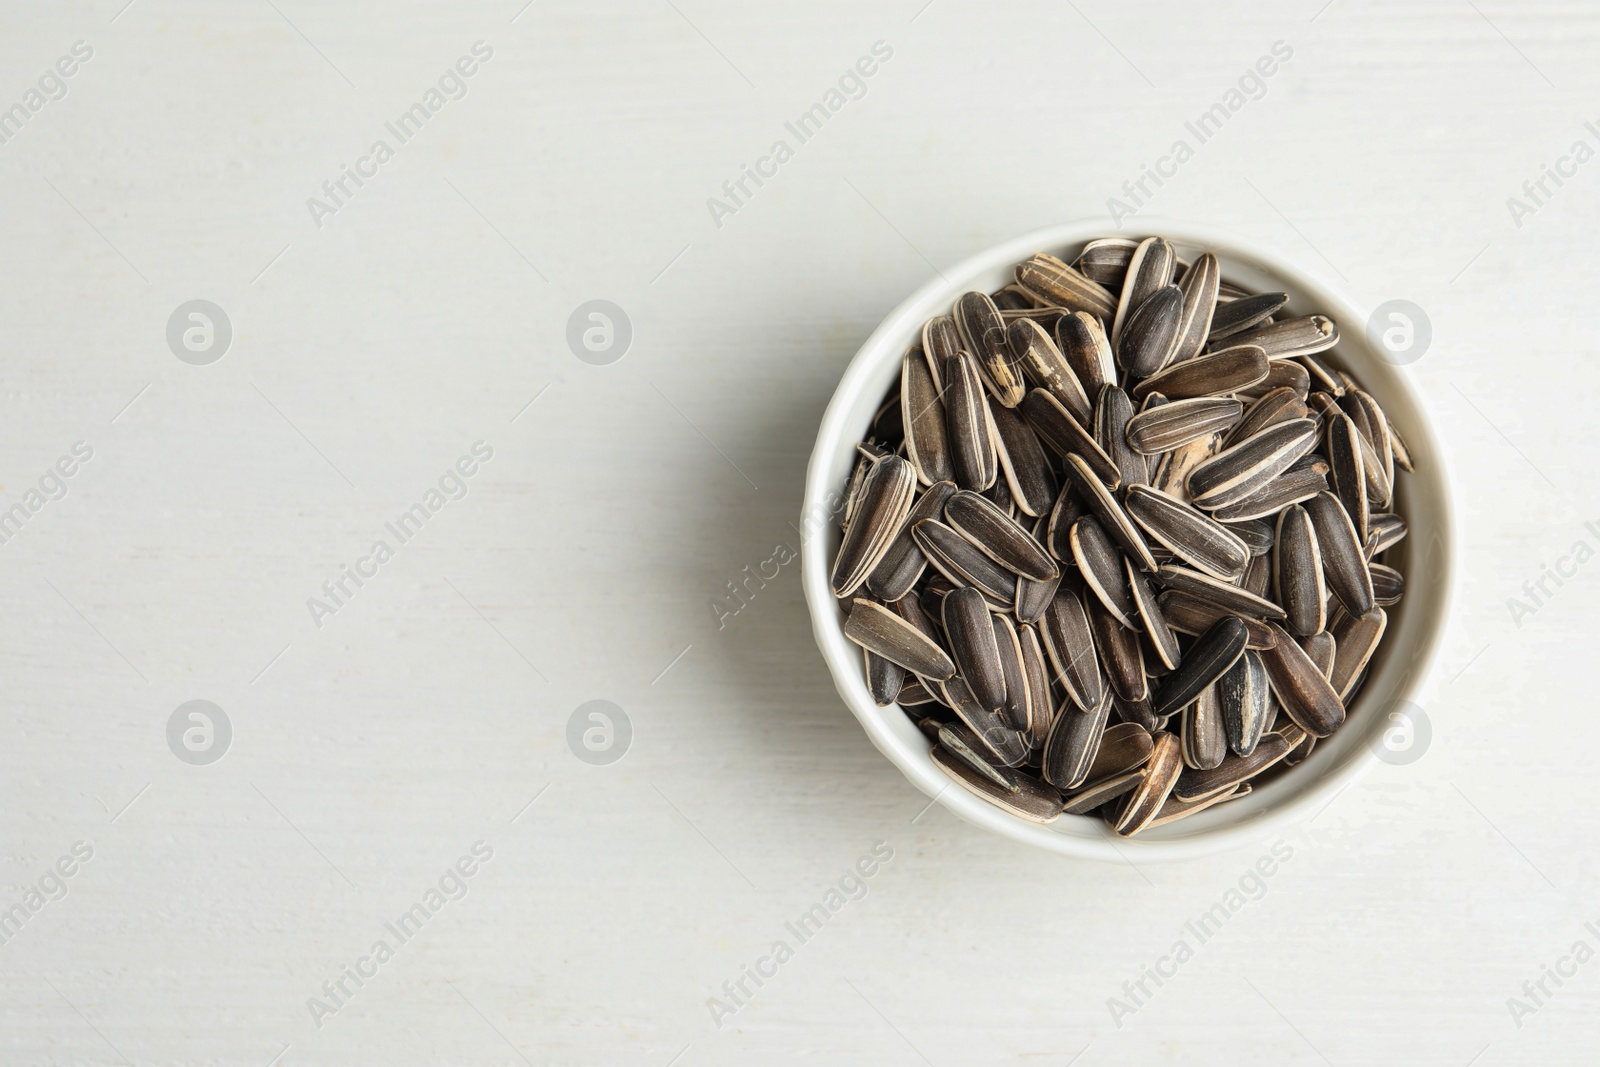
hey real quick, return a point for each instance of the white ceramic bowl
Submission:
(1416, 625)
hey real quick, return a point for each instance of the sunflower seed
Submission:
(1101, 566)
(1204, 741)
(958, 739)
(1007, 746)
(913, 693)
(1199, 287)
(884, 678)
(984, 333)
(1172, 425)
(922, 415)
(1124, 747)
(1043, 364)
(1388, 585)
(877, 629)
(1321, 649)
(1193, 537)
(1297, 573)
(1304, 693)
(1196, 784)
(1106, 260)
(903, 562)
(1112, 411)
(1212, 653)
(1033, 597)
(1175, 467)
(1150, 268)
(1293, 337)
(1271, 408)
(1402, 454)
(1224, 595)
(1038, 676)
(1175, 809)
(1112, 517)
(1190, 615)
(1120, 654)
(1246, 700)
(1294, 486)
(1070, 644)
(1378, 457)
(940, 344)
(1258, 576)
(1048, 276)
(1215, 374)
(884, 502)
(1074, 742)
(1150, 335)
(1082, 341)
(1017, 710)
(974, 647)
(1068, 509)
(998, 536)
(1384, 531)
(1236, 472)
(1162, 641)
(963, 563)
(1062, 432)
(1357, 640)
(1032, 800)
(1236, 316)
(1096, 793)
(1161, 774)
(972, 455)
(1282, 374)
(1257, 534)
(1343, 561)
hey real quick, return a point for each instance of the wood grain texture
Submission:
(430, 311)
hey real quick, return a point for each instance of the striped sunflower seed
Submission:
(1205, 742)
(1228, 370)
(1081, 339)
(1073, 744)
(1112, 517)
(1224, 595)
(1169, 426)
(1294, 486)
(1257, 534)
(1124, 747)
(1066, 436)
(1343, 561)
(877, 629)
(1120, 654)
(1017, 711)
(1043, 364)
(963, 563)
(972, 454)
(970, 633)
(1236, 472)
(1246, 699)
(1150, 268)
(1388, 585)
(1006, 745)
(1173, 470)
(1199, 287)
(984, 333)
(1093, 794)
(1322, 650)
(1212, 653)
(958, 739)
(1033, 800)
(884, 502)
(999, 536)
(1068, 509)
(1033, 597)
(1112, 412)
(1297, 573)
(1070, 644)
(1347, 471)
(1281, 374)
(1064, 287)
(1037, 671)
(884, 678)
(1190, 615)
(1161, 639)
(1175, 809)
(1197, 785)
(1161, 774)
(1150, 335)
(1101, 566)
(1235, 316)
(903, 563)
(1304, 693)
(1271, 408)
(923, 419)
(1356, 641)
(1293, 337)
(1106, 260)
(940, 343)
(1192, 536)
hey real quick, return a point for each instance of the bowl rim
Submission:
(888, 341)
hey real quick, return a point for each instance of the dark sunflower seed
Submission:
(1161, 774)
(1038, 675)
(1227, 371)
(1175, 809)
(1378, 457)
(1190, 615)
(1258, 576)
(979, 323)
(1236, 316)
(1074, 742)
(1124, 747)
(1068, 509)
(1174, 468)
(1106, 260)
(1017, 711)
(922, 414)
(903, 563)
(1120, 654)
(1199, 288)
(1061, 432)
(1112, 517)
(1082, 341)
(1297, 573)
(970, 633)
(1293, 337)
(1008, 747)
(1033, 800)
(1343, 561)
(1033, 597)
(1258, 534)
(1070, 644)
(972, 455)
(1150, 268)
(1357, 640)
(1212, 653)
(963, 563)
(1065, 287)
(883, 504)
(1112, 411)
(940, 343)
(1278, 405)
(958, 739)
(888, 425)
(1388, 585)
(913, 693)
(1138, 712)
(999, 536)
(1161, 639)
(1294, 486)
(1304, 693)
(877, 629)
(1321, 649)
(1171, 425)
(884, 678)
(1246, 699)
(1043, 364)
(1150, 335)
(1096, 793)
(1100, 564)
(1283, 374)
(1224, 595)
(1205, 742)
(1235, 473)
(1384, 531)
(1197, 785)
(1191, 536)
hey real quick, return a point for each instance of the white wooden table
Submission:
(376, 740)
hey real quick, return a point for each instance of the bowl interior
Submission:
(1415, 626)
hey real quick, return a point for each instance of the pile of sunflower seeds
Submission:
(1121, 484)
